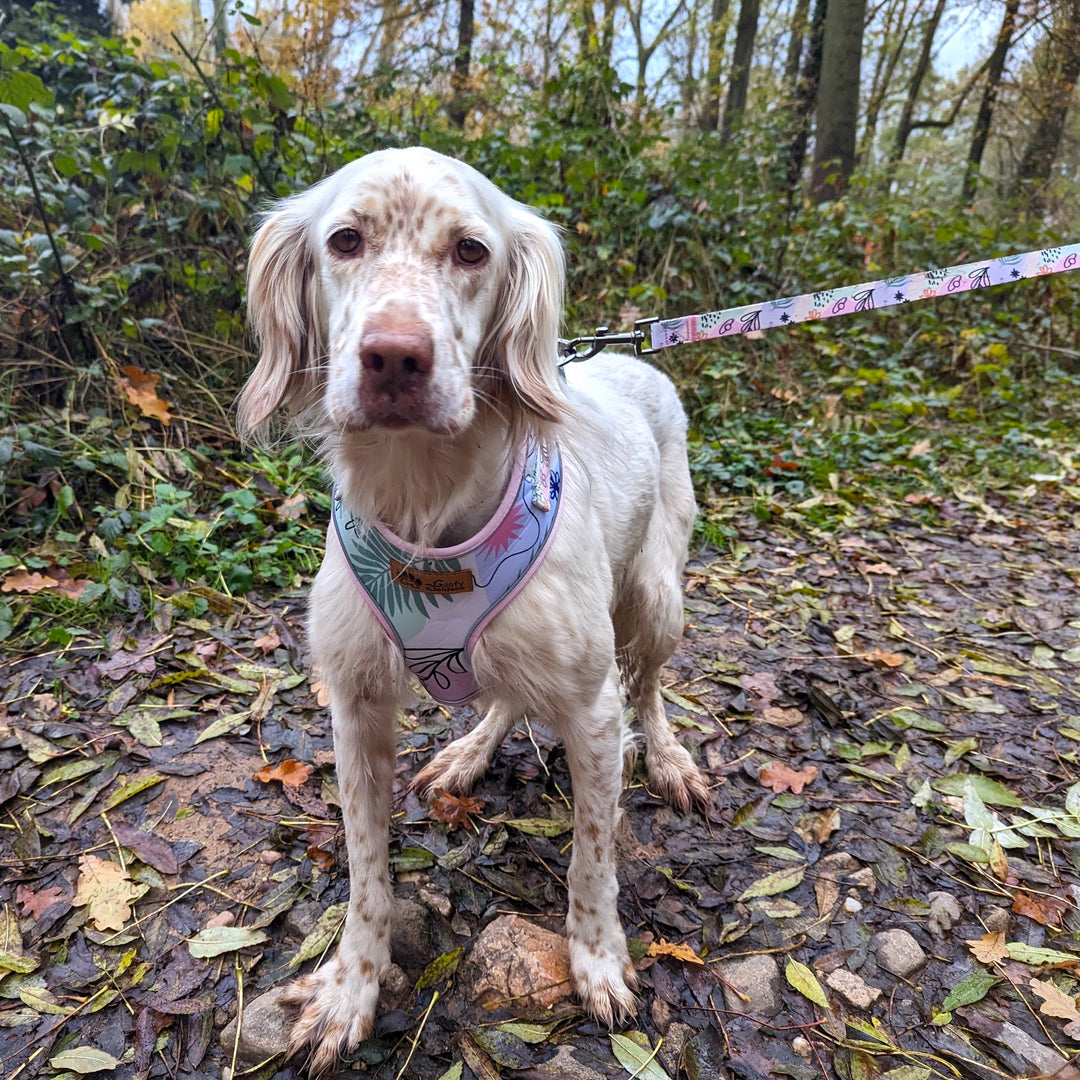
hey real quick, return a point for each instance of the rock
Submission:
(852, 905)
(756, 977)
(897, 951)
(565, 1066)
(410, 936)
(850, 987)
(436, 900)
(671, 1049)
(394, 989)
(513, 960)
(300, 919)
(265, 1030)
(996, 918)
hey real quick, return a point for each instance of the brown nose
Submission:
(396, 356)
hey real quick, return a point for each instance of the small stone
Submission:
(756, 977)
(300, 919)
(513, 960)
(851, 905)
(222, 918)
(802, 1047)
(849, 986)
(410, 937)
(944, 912)
(897, 951)
(864, 879)
(265, 1030)
(394, 989)
(269, 857)
(565, 1066)
(996, 919)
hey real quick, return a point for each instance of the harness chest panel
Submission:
(434, 603)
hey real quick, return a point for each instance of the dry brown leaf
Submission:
(884, 659)
(107, 890)
(779, 777)
(291, 508)
(1046, 909)
(818, 826)
(990, 948)
(921, 447)
(141, 389)
(673, 948)
(268, 642)
(762, 684)
(783, 718)
(454, 810)
(23, 581)
(878, 568)
(288, 772)
(1057, 1003)
(35, 904)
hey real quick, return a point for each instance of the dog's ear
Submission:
(285, 314)
(524, 337)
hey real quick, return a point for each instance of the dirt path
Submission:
(881, 709)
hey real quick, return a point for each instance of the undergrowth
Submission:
(126, 201)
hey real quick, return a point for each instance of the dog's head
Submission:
(404, 292)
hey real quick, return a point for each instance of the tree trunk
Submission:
(741, 61)
(1045, 139)
(795, 47)
(710, 117)
(459, 80)
(838, 99)
(981, 133)
(805, 99)
(921, 68)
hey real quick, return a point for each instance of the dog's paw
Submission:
(455, 769)
(337, 1012)
(676, 779)
(605, 984)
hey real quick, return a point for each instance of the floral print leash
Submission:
(828, 303)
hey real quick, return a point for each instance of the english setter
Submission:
(408, 315)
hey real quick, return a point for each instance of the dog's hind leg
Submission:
(648, 626)
(459, 765)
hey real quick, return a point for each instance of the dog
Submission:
(408, 315)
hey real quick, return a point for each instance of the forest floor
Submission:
(889, 715)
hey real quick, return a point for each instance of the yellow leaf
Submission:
(801, 978)
(141, 390)
(668, 948)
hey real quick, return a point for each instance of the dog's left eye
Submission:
(346, 241)
(471, 252)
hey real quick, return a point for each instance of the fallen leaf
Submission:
(22, 581)
(679, 951)
(634, 1053)
(215, 940)
(968, 990)
(780, 881)
(762, 684)
(291, 508)
(884, 659)
(990, 948)
(141, 389)
(801, 978)
(919, 448)
(107, 890)
(783, 718)
(288, 772)
(35, 904)
(453, 810)
(1045, 909)
(779, 777)
(84, 1060)
(878, 568)
(1058, 1004)
(268, 642)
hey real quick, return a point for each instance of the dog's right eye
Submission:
(346, 241)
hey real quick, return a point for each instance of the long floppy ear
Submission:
(523, 339)
(286, 316)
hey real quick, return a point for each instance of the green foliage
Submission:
(127, 197)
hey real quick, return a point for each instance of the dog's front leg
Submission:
(337, 1002)
(599, 962)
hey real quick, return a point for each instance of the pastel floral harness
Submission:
(436, 602)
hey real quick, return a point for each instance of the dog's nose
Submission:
(397, 354)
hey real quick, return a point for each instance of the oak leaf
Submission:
(141, 389)
(884, 659)
(779, 777)
(23, 581)
(990, 948)
(1057, 1003)
(107, 890)
(453, 810)
(288, 772)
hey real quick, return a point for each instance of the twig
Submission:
(419, 1032)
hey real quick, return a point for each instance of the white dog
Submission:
(408, 314)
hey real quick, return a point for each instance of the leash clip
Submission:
(586, 347)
